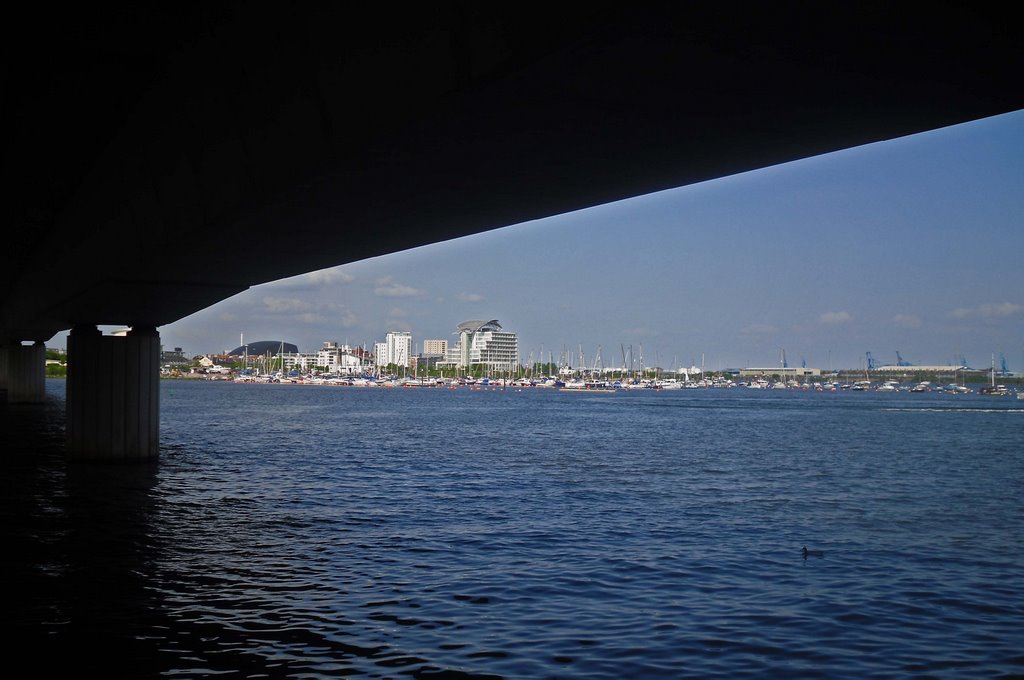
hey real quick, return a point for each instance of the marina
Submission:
(605, 385)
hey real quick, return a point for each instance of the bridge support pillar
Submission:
(3, 371)
(113, 394)
(24, 372)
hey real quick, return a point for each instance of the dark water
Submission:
(309, 531)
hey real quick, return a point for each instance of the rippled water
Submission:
(309, 531)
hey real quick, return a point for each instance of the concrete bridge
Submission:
(138, 139)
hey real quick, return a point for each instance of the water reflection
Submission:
(77, 537)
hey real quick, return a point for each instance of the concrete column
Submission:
(26, 373)
(113, 394)
(3, 371)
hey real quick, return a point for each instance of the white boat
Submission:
(993, 389)
(634, 385)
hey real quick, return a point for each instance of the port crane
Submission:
(871, 362)
(900, 361)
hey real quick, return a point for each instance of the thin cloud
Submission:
(323, 278)
(296, 311)
(835, 318)
(907, 321)
(759, 329)
(279, 305)
(326, 277)
(388, 288)
(470, 297)
(987, 311)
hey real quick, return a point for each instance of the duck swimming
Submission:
(812, 553)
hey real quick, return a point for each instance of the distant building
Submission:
(428, 361)
(395, 350)
(341, 359)
(399, 348)
(909, 368)
(484, 343)
(173, 358)
(433, 354)
(787, 372)
(331, 358)
(435, 348)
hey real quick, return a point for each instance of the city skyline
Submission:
(911, 245)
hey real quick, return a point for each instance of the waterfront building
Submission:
(433, 354)
(484, 343)
(340, 359)
(911, 368)
(380, 354)
(435, 347)
(331, 358)
(399, 348)
(428, 361)
(783, 372)
(173, 358)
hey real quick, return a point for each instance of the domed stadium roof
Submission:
(263, 347)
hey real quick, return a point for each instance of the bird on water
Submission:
(812, 553)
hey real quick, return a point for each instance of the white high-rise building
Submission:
(397, 349)
(380, 354)
(484, 343)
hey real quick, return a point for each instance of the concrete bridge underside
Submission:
(137, 138)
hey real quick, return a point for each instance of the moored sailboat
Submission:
(993, 389)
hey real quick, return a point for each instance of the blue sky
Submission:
(913, 245)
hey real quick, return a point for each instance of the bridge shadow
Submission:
(76, 538)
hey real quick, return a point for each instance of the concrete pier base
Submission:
(24, 372)
(113, 394)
